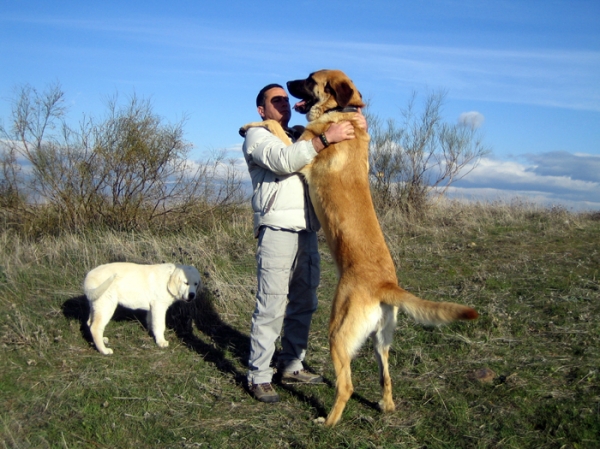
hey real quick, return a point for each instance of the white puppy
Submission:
(148, 287)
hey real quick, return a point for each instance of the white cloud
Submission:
(585, 167)
(544, 183)
(541, 198)
(472, 119)
(235, 148)
(510, 174)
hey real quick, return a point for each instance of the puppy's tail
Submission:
(423, 311)
(93, 293)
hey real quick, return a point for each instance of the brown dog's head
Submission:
(324, 91)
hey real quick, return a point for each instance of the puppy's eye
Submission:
(186, 283)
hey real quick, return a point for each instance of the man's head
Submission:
(273, 103)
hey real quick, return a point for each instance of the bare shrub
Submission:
(423, 154)
(127, 171)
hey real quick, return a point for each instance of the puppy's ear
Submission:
(174, 282)
(342, 92)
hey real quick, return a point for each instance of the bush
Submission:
(128, 171)
(423, 154)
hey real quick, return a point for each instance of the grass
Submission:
(533, 274)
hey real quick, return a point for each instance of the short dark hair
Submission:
(260, 98)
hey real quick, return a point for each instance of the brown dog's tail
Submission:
(423, 311)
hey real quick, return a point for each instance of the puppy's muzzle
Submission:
(190, 296)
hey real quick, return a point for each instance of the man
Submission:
(287, 257)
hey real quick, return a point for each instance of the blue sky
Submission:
(531, 69)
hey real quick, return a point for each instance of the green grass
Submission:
(533, 275)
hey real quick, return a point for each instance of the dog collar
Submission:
(340, 109)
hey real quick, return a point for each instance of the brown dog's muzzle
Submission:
(303, 89)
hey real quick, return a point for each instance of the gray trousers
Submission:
(288, 275)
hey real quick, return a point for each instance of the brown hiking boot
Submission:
(264, 392)
(300, 377)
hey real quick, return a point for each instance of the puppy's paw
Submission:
(106, 351)
(162, 344)
(105, 340)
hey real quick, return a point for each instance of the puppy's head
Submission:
(323, 91)
(184, 282)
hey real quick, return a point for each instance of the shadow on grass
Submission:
(317, 403)
(78, 308)
(180, 317)
(225, 341)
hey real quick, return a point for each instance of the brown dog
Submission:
(367, 296)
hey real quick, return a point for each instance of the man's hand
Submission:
(360, 120)
(338, 132)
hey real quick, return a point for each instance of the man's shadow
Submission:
(226, 338)
(222, 338)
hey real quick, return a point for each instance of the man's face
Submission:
(277, 106)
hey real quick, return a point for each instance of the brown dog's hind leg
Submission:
(382, 352)
(382, 340)
(343, 383)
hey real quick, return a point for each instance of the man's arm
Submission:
(271, 153)
(337, 132)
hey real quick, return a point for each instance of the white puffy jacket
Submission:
(280, 196)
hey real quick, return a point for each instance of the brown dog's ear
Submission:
(341, 91)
